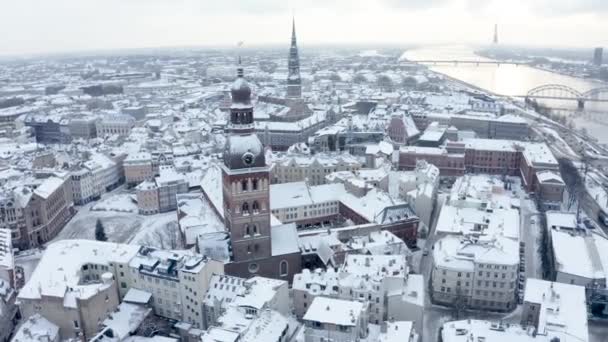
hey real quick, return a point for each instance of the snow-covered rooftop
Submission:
(36, 329)
(334, 311)
(59, 270)
(563, 309)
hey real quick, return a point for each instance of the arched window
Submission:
(255, 229)
(283, 268)
(245, 208)
(247, 232)
(255, 207)
(244, 185)
(254, 184)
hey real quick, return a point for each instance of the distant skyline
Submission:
(56, 26)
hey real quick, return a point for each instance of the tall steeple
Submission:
(294, 82)
(495, 33)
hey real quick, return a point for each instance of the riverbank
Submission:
(600, 82)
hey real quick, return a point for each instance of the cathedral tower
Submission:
(246, 180)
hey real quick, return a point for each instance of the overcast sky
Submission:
(43, 26)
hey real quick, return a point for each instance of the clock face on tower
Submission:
(248, 158)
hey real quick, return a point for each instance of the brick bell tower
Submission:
(246, 182)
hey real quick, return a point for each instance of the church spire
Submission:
(293, 33)
(294, 83)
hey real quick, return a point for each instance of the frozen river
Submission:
(516, 80)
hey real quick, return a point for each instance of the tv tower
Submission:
(495, 33)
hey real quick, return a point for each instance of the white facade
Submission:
(254, 309)
(381, 282)
(177, 280)
(83, 185)
(555, 309)
(329, 319)
(313, 169)
(291, 202)
(78, 283)
(419, 189)
(115, 125)
(106, 173)
(476, 259)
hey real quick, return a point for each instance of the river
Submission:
(518, 80)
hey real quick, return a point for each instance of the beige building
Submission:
(36, 214)
(147, 198)
(301, 167)
(381, 282)
(75, 287)
(115, 125)
(138, 168)
(177, 280)
(78, 283)
(476, 274)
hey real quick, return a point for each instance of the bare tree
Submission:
(167, 237)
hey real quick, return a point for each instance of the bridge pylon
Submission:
(581, 104)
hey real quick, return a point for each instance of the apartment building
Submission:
(79, 283)
(261, 293)
(483, 124)
(419, 189)
(335, 320)
(170, 183)
(555, 310)
(138, 168)
(449, 164)
(508, 157)
(147, 198)
(74, 285)
(476, 259)
(310, 168)
(306, 205)
(35, 214)
(586, 267)
(83, 127)
(115, 125)
(475, 273)
(84, 189)
(107, 173)
(177, 280)
(381, 282)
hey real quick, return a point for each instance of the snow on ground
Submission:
(159, 231)
(119, 226)
(118, 202)
(553, 133)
